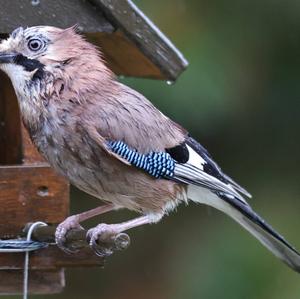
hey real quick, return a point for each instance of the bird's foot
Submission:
(62, 230)
(104, 239)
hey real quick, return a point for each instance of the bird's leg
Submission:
(105, 238)
(74, 222)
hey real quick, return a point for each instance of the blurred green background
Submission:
(240, 97)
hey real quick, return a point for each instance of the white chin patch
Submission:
(16, 73)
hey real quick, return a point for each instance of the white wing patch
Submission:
(195, 159)
(192, 172)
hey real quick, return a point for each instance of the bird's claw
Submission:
(62, 231)
(104, 239)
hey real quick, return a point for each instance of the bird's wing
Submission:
(181, 164)
(131, 129)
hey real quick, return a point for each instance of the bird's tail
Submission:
(244, 215)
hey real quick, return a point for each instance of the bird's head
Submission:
(51, 65)
(28, 54)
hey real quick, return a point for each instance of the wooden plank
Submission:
(10, 128)
(145, 35)
(39, 282)
(51, 258)
(28, 194)
(123, 57)
(62, 13)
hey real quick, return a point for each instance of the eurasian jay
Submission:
(112, 143)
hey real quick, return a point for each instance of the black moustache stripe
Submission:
(30, 65)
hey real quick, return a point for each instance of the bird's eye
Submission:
(35, 45)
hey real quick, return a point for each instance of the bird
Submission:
(114, 144)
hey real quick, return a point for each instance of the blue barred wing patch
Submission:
(157, 164)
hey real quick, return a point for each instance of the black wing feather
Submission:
(212, 168)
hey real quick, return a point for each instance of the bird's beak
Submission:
(7, 57)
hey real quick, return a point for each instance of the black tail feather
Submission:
(265, 233)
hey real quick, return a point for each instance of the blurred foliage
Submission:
(240, 98)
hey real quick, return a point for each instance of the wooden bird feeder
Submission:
(29, 189)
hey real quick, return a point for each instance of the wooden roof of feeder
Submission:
(131, 43)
